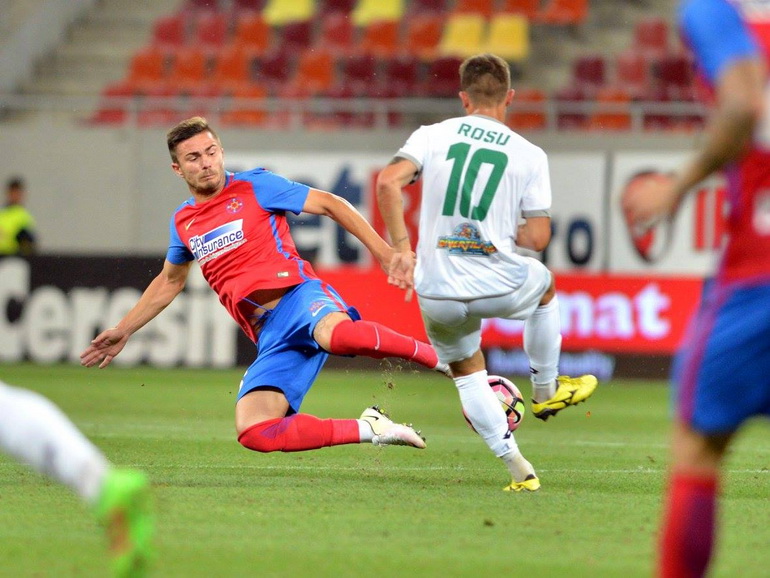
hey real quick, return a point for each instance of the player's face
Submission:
(201, 164)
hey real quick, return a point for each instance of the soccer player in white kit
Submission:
(486, 191)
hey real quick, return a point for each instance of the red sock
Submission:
(375, 340)
(299, 432)
(688, 526)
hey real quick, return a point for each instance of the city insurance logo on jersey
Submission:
(217, 241)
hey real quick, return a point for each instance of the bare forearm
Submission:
(158, 295)
(391, 204)
(354, 223)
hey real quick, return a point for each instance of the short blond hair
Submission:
(486, 78)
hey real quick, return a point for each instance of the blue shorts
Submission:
(722, 375)
(288, 357)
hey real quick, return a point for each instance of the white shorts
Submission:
(454, 326)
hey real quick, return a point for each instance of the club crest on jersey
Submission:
(234, 206)
(217, 241)
(466, 240)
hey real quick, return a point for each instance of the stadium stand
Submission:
(311, 48)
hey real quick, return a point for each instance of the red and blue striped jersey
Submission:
(241, 239)
(720, 33)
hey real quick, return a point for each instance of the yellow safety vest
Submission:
(13, 220)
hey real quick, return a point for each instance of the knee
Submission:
(549, 294)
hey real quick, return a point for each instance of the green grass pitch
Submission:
(365, 511)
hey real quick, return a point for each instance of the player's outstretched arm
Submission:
(399, 173)
(534, 234)
(159, 293)
(346, 215)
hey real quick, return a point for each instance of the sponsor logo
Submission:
(188, 225)
(217, 241)
(466, 240)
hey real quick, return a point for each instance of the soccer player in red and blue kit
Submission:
(235, 226)
(721, 373)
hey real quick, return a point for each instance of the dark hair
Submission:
(486, 78)
(184, 130)
(15, 183)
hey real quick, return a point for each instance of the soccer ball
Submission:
(510, 398)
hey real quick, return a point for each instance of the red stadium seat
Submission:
(315, 73)
(402, 76)
(483, 7)
(337, 33)
(245, 108)
(274, 72)
(359, 75)
(212, 29)
(252, 33)
(296, 36)
(442, 79)
(651, 36)
(570, 114)
(336, 7)
(170, 31)
(528, 110)
(613, 110)
(423, 33)
(589, 72)
(380, 38)
(528, 8)
(231, 67)
(563, 13)
(189, 69)
(147, 67)
(632, 72)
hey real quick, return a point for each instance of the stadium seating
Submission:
(295, 37)
(483, 8)
(423, 34)
(632, 72)
(464, 35)
(589, 73)
(650, 37)
(563, 13)
(252, 33)
(315, 73)
(368, 11)
(528, 110)
(441, 79)
(380, 38)
(335, 7)
(528, 8)
(358, 73)
(170, 31)
(509, 37)
(189, 67)
(244, 108)
(282, 12)
(612, 112)
(337, 33)
(402, 76)
(147, 67)
(212, 29)
(231, 67)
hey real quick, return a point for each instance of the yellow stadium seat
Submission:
(280, 12)
(368, 11)
(463, 35)
(509, 37)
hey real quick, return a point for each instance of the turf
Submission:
(361, 510)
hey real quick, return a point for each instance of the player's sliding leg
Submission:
(302, 432)
(542, 344)
(488, 418)
(378, 341)
(37, 433)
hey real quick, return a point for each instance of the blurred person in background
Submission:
(235, 226)
(479, 178)
(17, 225)
(720, 375)
(34, 431)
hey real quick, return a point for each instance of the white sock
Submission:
(519, 467)
(36, 432)
(485, 412)
(542, 344)
(365, 431)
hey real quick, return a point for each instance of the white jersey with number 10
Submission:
(478, 178)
